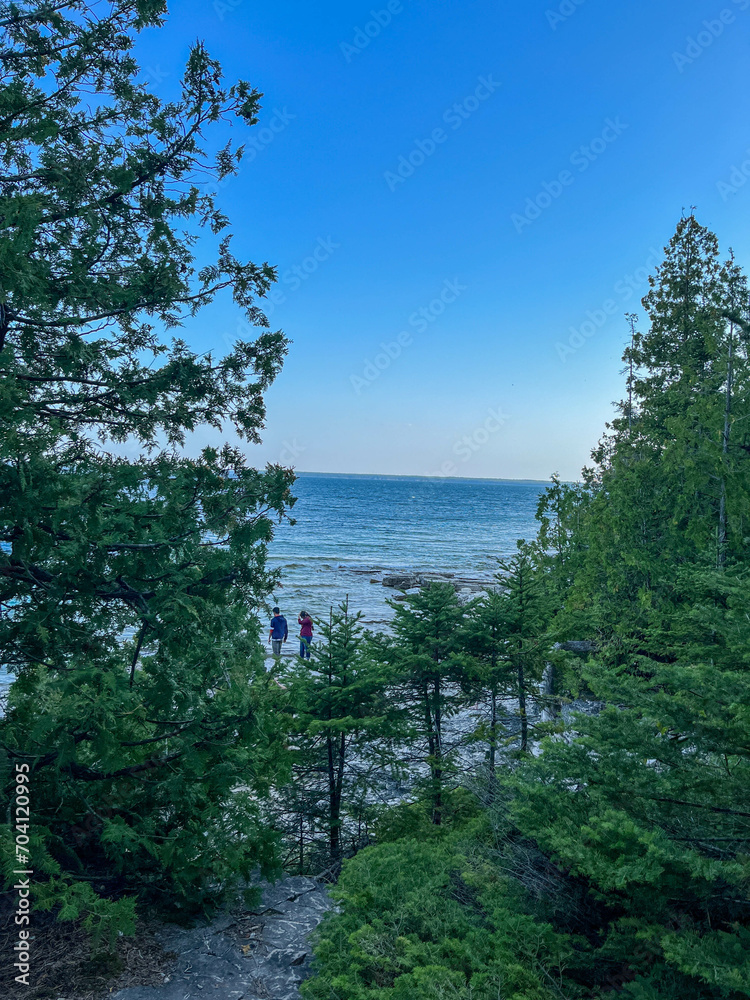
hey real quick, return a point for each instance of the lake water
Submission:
(350, 529)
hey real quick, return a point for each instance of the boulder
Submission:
(401, 581)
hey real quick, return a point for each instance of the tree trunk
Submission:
(437, 810)
(522, 705)
(493, 746)
(721, 553)
(333, 829)
(336, 850)
(549, 710)
(432, 748)
(301, 845)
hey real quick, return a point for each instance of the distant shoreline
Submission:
(426, 479)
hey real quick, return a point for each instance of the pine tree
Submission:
(689, 367)
(669, 486)
(527, 612)
(559, 513)
(505, 634)
(426, 653)
(130, 589)
(345, 723)
(484, 637)
(646, 807)
(643, 803)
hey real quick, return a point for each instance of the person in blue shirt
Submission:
(278, 632)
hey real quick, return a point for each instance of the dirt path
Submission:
(258, 954)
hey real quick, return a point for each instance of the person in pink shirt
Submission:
(305, 634)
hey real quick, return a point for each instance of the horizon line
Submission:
(389, 475)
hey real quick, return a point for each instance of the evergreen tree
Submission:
(527, 610)
(670, 485)
(344, 725)
(504, 634)
(643, 804)
(559, 513)
(429, 921)
(130, 589)
(690, 364)
(647, 806)
(426, 653)
(485, 639)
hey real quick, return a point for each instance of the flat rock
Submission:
(401, 581)
(410, 580)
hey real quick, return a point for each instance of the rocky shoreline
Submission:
(411, 580)
(406, 582)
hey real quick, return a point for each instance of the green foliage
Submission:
(419, 920)
(671, 486)
(102, 918)
(643, 804)
(505, 634)
(131, 591)
(130, 588)
(343, 727)
(615, 858)
(413, 820)
(426, 651)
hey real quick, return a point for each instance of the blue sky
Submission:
(481, 187)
